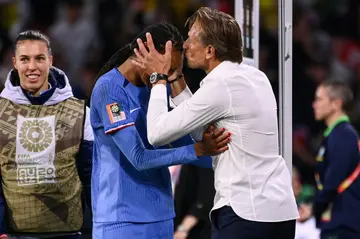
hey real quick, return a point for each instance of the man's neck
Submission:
(333, 118)
(212, 65)
(128, 71)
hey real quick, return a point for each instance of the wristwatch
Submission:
(155, 77)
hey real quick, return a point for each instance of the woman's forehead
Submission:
(31, 47)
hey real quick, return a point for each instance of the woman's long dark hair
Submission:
(161, 33)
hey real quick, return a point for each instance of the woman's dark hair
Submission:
(161, 33)
(32, 35)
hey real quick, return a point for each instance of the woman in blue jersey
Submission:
(131, 187)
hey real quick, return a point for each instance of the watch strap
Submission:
(162, 77)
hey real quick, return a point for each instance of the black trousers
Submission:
(227, 225)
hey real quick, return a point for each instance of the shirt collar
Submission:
(218, 71)
(329, 129)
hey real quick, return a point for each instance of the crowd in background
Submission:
(85, 33)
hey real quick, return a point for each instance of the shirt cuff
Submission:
(184, 95)
(159, 92)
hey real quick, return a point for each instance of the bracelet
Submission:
(176, 79)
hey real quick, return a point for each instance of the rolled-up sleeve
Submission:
(202, 108)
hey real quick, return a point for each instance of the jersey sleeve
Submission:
(111, 104)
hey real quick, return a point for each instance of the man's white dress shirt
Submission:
(251, 176)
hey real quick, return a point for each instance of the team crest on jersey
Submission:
(115, 112)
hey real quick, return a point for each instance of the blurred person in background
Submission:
(129, 174)
(46, 146)
(76, 40)
(5, 46)
(194, 194)
(251, 172)
(304, 193)
(337, 203)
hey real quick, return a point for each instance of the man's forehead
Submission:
(195, 28)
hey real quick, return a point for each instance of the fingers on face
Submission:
(168, 49)
(139, 56)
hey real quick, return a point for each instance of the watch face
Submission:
(153, 78)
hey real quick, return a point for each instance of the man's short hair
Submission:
(340, 90)
(221, 31)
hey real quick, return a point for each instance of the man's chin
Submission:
(191, 65)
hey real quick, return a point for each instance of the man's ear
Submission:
(210, 52)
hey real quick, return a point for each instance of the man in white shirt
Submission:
(254, 197)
